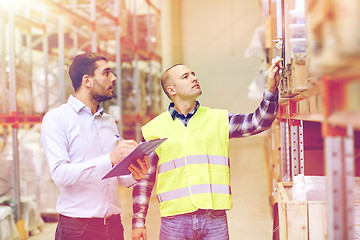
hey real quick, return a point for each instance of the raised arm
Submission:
(261, 119)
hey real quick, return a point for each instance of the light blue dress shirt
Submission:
(77, 146)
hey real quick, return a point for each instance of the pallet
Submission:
(305, 220)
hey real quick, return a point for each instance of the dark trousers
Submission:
(69, 228)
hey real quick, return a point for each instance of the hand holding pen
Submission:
(123, 149)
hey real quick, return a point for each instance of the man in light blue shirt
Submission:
(80, 143)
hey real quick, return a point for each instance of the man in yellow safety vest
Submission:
(192, 165)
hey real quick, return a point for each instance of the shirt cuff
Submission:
(270, 95)
(138, 223)
(103, 164)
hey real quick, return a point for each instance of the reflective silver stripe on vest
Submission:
(195, 189)
(194, 159)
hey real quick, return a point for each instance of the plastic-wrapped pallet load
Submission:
(31, 214)
(7, 224)
(37, 190)
(297, 28)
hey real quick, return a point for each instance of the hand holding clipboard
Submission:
(144, 148)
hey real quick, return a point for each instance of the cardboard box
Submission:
(332, 38)
(299, 73)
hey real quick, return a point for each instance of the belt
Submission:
(96, 221)
(214, 212)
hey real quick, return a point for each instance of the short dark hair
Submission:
(166, 81)
(83, 64)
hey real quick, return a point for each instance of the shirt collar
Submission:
(77, 105)
(175, 113)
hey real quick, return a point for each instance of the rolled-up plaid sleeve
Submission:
(142, 193)
(242, 125)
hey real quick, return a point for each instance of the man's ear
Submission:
(171, 90)
(86, 80)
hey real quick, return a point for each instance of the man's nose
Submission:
(113, 78)
(195, 79)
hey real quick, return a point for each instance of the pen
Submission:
(117, 136)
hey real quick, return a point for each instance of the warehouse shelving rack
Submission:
(43, 36)
(317, 129)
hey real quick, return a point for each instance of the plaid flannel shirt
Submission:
(240, 125)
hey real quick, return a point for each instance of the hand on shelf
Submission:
(272, 79)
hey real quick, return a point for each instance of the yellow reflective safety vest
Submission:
(193, 168)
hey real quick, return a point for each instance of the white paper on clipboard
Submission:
(144, 148)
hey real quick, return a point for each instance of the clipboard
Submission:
(144, 148)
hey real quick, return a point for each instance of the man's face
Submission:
(185, 83)
(103, 82)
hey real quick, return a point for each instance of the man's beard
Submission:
(101, 98)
